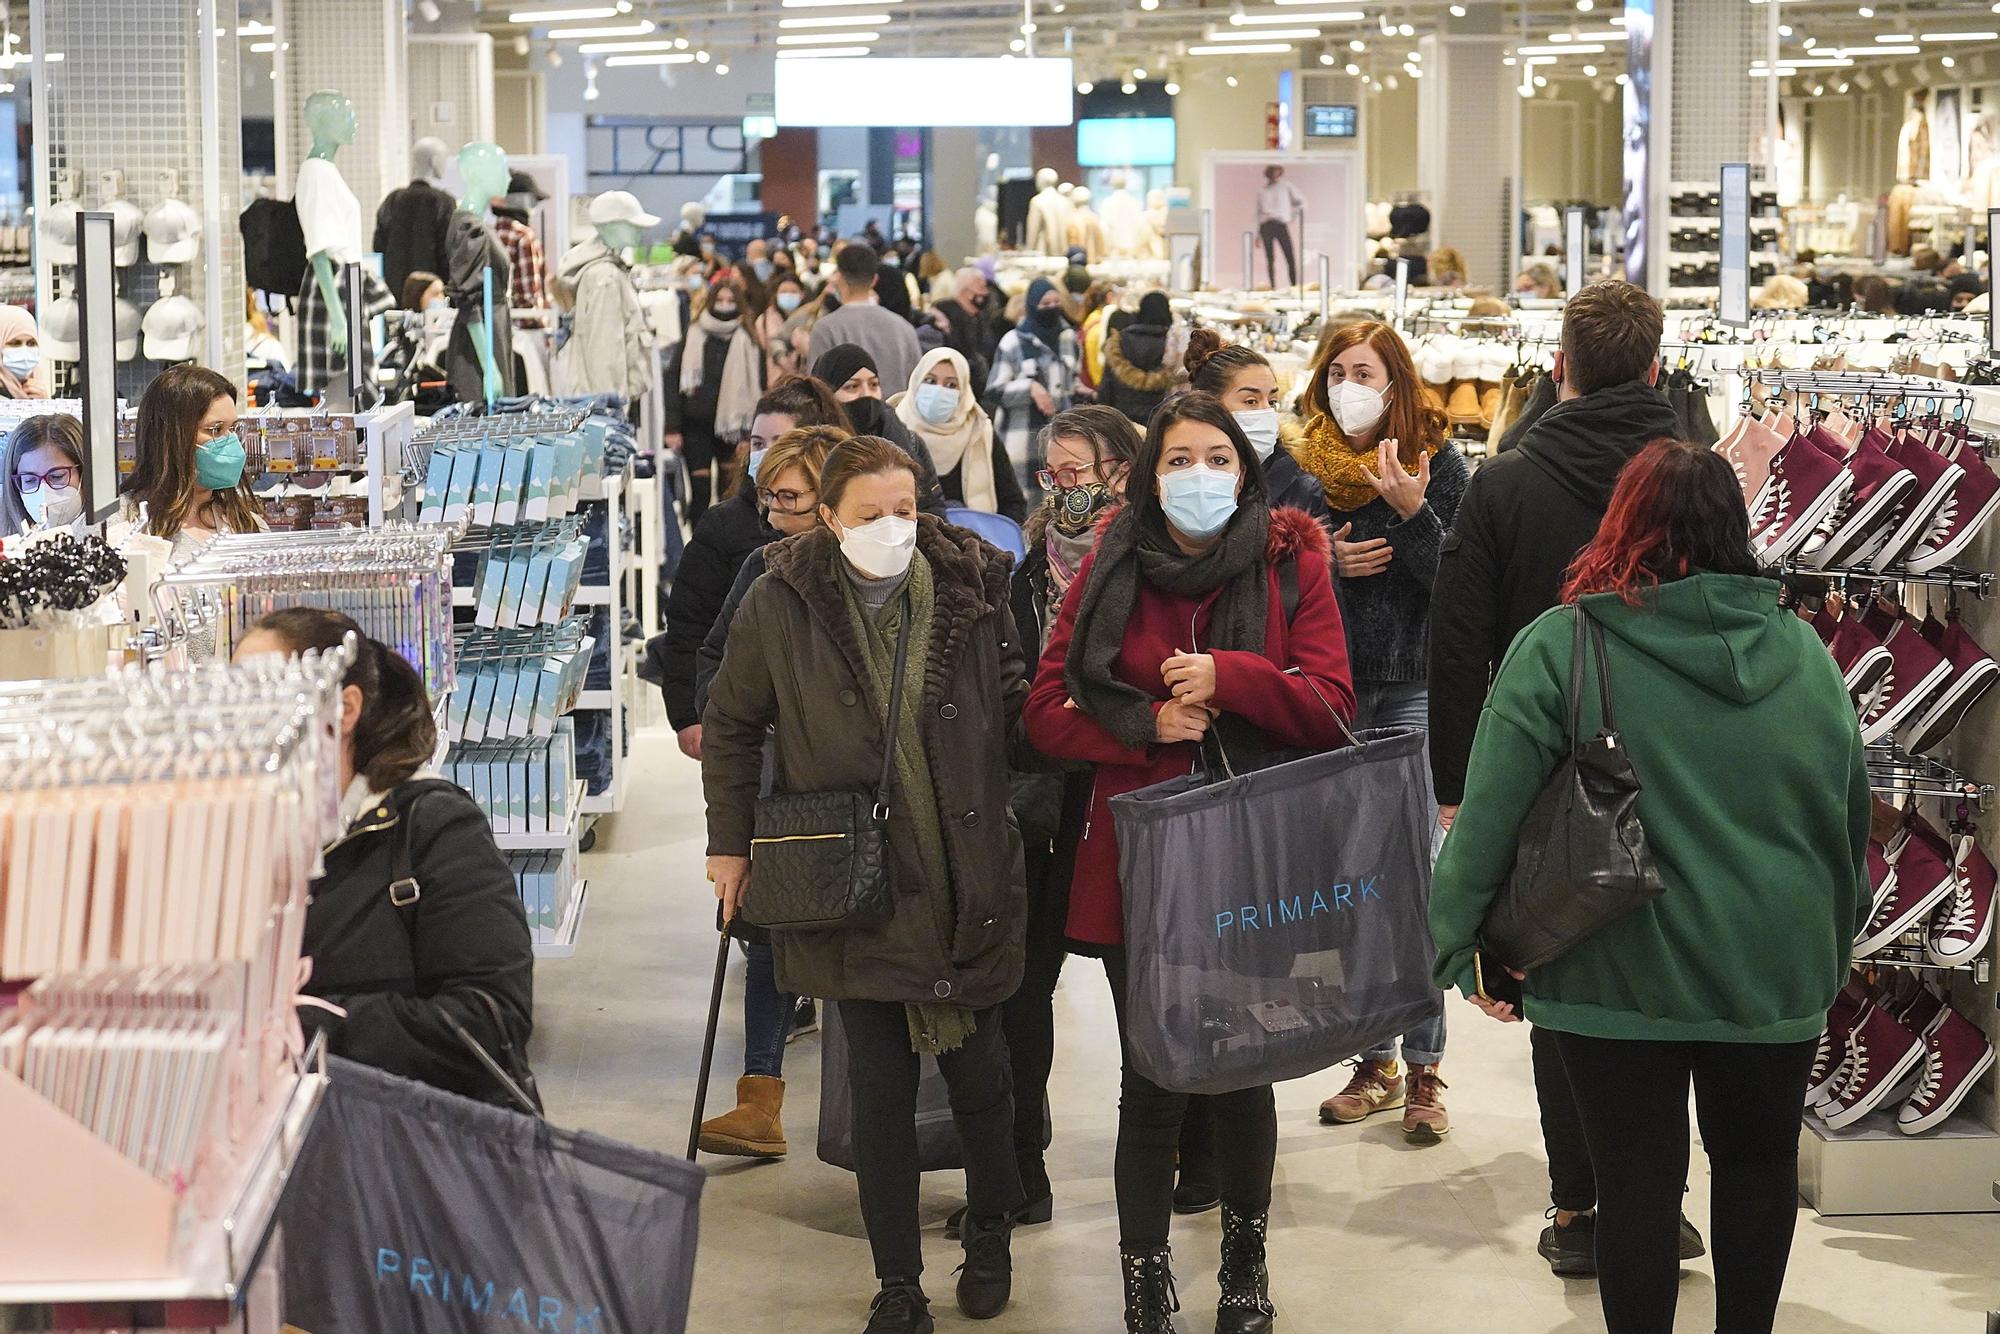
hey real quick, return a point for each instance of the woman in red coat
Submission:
(1175, 628)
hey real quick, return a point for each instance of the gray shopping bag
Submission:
(937, 1134)
(416, 1210)
(1276, 921)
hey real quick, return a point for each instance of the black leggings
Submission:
(1633, 1099)
(1276, 233)
(1149, 1132)
(1030, 1019)
(1572, 1182)
(882, 1083)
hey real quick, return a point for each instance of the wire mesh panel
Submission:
(356, 47)
(1720, 113)
(1467, 125)
(150, 90)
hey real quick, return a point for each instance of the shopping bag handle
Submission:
(1333, 713)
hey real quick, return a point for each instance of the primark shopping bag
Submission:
(414, 1210)
(1275, 921)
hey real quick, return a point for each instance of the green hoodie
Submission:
(1754, 798)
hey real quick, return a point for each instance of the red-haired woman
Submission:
(1730, 710)
(1375, 441)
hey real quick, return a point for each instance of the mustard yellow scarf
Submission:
(1327, 455)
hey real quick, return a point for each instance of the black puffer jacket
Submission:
(397, 971)
(796, 666)
(723, 539)
(1524, 516)
(1136, 376)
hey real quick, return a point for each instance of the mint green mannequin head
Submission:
(484, 169)
(330, 121)
(618, 236)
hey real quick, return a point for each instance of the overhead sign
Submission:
(925, 91)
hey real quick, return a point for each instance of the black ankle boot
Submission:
(986, 1279)
(1150, 1300)
(900, 1308)
(1245, 1307)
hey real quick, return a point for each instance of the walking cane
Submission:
(708, 1041)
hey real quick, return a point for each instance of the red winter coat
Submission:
(1250, 685)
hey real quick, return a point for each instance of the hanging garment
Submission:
(1901, 198)
(610, 347)
(472, 249)
(1913, 148)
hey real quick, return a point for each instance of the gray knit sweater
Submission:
(1388, 615)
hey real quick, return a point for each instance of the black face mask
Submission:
(1049, 320)
(866, 414)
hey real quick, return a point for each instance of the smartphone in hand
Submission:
(1495, 983)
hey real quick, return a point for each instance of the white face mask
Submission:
(1260, 427)
(1357, 407)
(881, 548)
(52, 508)
(21, 362)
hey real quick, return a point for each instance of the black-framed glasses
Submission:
(1061, 479)
(62, 479)
(785, 502)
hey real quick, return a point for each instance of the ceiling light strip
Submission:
(1242, 49)
(827, 38)
(824, 53)
(612, 30)
(664, 58)
(836, 21)
(1262, 35)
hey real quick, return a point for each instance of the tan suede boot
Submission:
(753, 1130)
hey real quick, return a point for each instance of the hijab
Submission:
(965, 442)
(835, 367)
(14, 321)
(1034, 325)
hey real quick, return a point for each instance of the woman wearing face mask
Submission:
(940, 410)
(1035, 371)
(787, 494)
(1175, 627)
(423, 984)
(190, 462)
(44, 483)
(1375, 439)
(1137, 372)
(1248, 387)
(780, 357)
(20, 355)
(424, 292)
(712, 379)
(851, 373)
(810, 663)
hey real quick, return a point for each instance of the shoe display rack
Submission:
(1694, 239)
(1877, 501)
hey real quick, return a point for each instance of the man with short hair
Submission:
(966, 330)
(884, 335)
(1524, 517)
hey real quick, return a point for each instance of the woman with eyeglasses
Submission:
(44, 487)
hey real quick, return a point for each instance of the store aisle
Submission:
(1366, 1233)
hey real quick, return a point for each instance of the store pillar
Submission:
(1468, 135)
(1691, 104)
(135, 104)
(357, 47)
(950, 182)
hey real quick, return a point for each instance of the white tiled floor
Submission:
(1367, 1234)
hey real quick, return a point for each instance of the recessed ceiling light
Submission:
(1948, 63)
(608, 30)
(825, 53)
(1128, 87)
(1173, 90)
(681, 43)
(1458, 11)
(1357, 45)
(1138, 72)
(1865, 12)
(836, 21)
(563, 15)
(1541, 81)
(825, 38)
(1406, 29)
(1352, 69)
(1016, 45)
(1843, 88)
(1262, 35)
(1242, 49)
(1230, 80)
(722, 67)
(658, 58)
(1085, 87)
(1326, 57)
(1590, 71)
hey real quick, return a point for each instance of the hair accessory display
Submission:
(55, 574)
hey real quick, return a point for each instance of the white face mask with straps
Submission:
(881, 548)
(1356, 407)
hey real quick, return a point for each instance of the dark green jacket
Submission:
(1755, 802)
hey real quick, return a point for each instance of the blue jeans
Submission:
(1403, 704)
(767, 1015)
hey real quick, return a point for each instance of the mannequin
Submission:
(610, 350)
(410, 225)
(986, 225)
(1913, 142)
(330, 218)
(1154, 225)
(687, 240)
(1048, 216)
(1086, 232)
(1982, 155)
(1120, 215)
(476, 366)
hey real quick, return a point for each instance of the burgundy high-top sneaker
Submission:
(1864, 663)
(1963, 922)
(1973, 674)
(1917, 671)
(1956, 1054)
(1832, 1050)
(1924, 876)
(1972, 503)
(1803, 489)
(1874, 503)
(1937, 477)
(1881, 1055)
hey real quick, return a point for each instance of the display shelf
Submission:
(553, 841)
(564, 945)
(1872, 1167)
(596, 699)
(1893, 771)
(608, 802)
(1978, 582)
(1908, 952)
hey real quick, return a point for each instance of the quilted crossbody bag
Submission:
(820, 860)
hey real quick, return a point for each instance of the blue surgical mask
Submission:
(936, 404)
(756, 462)
(218, 463)
(1199, 501)
(1260, 427)
(21, 362)
(435, 303)
(763, 268)
(789, 301)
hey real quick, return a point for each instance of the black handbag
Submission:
(820, 860)
(1583, 862)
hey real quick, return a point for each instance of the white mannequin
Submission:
(427, 159)
(1913, 142)
(1154, 225)
(1048, 216)
(686, 240)
(1086, 232)
(986, 226)
(1120, 214)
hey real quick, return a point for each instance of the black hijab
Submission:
(836, 366)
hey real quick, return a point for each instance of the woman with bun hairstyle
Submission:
(1176, 626)
(1248, 387)
(1375, 439)
(437, 981)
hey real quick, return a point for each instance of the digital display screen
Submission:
(1125, 141)
(1331, 121)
